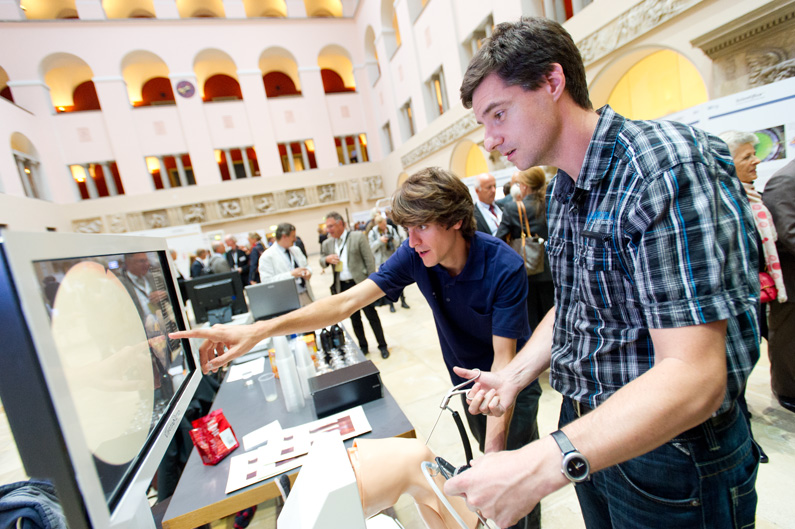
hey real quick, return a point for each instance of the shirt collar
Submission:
(475, 267)
(598, 157)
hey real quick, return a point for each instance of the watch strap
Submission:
(563, 442)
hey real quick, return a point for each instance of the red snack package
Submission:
(213, 437)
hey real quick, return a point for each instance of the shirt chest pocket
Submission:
(603, 282)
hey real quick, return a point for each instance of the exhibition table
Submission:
(200, 495)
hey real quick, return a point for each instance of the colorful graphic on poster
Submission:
(772, 144)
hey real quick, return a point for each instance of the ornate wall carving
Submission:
(296, 198)
(327, 193)
(375, 187)
(230, 208)
(265, 203)
(638, 20)
(458, 129)
(88, 225)
(194, 213)
(356, 194)
(217, 211)
(156, 219)
(117, 223)
(755, 50)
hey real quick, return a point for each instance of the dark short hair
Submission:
(283, 230)
(522, 53)
(336, 216)
(434, 196)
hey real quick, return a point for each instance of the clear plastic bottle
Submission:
(306, 367)
(288, 374)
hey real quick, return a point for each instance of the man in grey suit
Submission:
(218, 263)
(349, 253)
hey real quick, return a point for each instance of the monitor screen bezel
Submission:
(41, 365)
(239, 304)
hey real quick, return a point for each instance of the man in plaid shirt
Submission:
(654, 332)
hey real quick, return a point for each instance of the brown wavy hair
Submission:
(434, 196)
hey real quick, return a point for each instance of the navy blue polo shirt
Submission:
(487, 298)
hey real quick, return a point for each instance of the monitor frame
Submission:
(239, 305)
(32, 382)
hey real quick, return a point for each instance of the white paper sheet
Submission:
(246, 370)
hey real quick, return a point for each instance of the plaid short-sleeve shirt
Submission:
(656, 233)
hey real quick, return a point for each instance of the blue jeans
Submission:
(703, 478)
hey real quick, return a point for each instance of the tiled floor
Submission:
(416, 376)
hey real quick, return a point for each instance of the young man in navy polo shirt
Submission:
(476, 287)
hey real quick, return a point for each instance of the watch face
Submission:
(577, 468)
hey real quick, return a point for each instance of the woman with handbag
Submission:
(528, 216)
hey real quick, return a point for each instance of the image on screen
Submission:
(110, 317)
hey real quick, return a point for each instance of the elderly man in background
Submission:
(284, 260)
(217, 263)
(352, 260)
(487, 214)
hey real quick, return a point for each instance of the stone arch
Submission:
(201, 8)
(336, 59)
(214, 62)
(63, 73)
(467, 159)
(371, 55)
(50, 10)
(129, 8)
(661, 80)
(275, 64)
(323, 8)
(265, 8)
(139, 68)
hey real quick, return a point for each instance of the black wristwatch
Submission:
(574, 466)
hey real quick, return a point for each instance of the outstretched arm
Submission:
(224, 343)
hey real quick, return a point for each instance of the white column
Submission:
(359, 152)
(165, 9)
(295, 8)
(90, 10)
(164, 173)
(549, 9)
(246, 162)
(10, 10)
(262, 128)
(90, 184)
(229, 164)
(183, 177)
(304, 156)
(109, 180)
(345, 159)
(24, 177)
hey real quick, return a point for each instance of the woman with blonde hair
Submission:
(532, 187)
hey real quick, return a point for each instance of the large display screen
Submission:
(110, 317)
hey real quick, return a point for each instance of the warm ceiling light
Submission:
(61, 109)
(310, 145)
(27, 170)
(363, 139)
